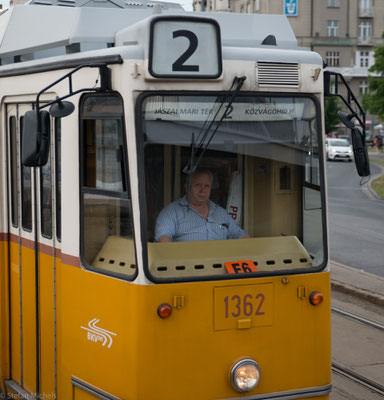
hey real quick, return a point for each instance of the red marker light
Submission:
(316, 298)
(164, 310)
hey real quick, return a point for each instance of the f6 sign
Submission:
(185, 47)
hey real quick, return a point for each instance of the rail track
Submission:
(348, 373)
(359, 318)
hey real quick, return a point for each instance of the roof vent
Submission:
(278, 74)
(66, 3)
(270, 40)
(43, 3)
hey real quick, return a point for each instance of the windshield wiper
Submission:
(197, 151)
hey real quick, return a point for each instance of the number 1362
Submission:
(246, 305)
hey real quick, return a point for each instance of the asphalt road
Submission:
(356, 219)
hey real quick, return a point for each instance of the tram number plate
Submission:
(184, 47)
(236, 307)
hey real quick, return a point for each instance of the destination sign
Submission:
(184, 111)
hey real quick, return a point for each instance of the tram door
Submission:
(32, 250)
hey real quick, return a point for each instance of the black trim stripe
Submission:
(62, 64)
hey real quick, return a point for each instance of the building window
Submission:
(333, 28)
(365, 29)
(256, 5)
(333, 3)
(332, 58)
(365, 4)
(363, 87)
(364, 58)
(248, 8)
(242, 9)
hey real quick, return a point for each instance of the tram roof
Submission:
(57, 28)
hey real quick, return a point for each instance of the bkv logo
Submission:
(96, 334)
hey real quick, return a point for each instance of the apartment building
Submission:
(343, 32)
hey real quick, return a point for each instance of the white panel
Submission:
(185, 48)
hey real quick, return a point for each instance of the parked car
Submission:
(338, 149)
(345, 137)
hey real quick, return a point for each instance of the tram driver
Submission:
(195, 217)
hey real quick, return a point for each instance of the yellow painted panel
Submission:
(47, 327)
(4, 312)
(316, 398)
(293, 353)
(15, 312)
(185, 351)
(79, 394)
(28, 318)
(63, 370)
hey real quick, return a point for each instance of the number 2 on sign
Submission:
(179, 65)
(247, 305)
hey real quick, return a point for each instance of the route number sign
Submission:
(185, 47)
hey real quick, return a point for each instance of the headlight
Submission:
(245, 375)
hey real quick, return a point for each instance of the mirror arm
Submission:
(351, 97)
(58, 99)
(105, 84)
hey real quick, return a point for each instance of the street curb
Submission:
(348, 288)
(373, 298)
(372, 178)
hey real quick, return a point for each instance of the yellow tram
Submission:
(93, 306)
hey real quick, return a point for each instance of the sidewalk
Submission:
(359, 283)
(374, 155)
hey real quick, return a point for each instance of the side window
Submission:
(58, 176)
(13, 155)
(26, 191)
(107, 234)
(46, 199)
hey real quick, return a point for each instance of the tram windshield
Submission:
(265, 212)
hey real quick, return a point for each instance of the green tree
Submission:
(331, 107)
(374, 99)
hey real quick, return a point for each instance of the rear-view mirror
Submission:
(35, 138)
(346, 119)
(360, 152)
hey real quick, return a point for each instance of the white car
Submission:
(338, 149)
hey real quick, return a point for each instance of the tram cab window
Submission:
(107, 239)
(265, 160)
(13, 158)
(26, 191)
(58, 176)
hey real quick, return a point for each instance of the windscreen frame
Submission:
(142, 190)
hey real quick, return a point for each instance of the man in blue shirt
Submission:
(198, 219)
